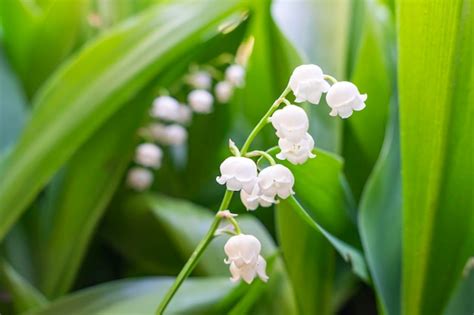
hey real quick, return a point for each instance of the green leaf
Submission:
(91, 87)
(461, 302)
(48, 35)
(380, 220)
(373, 73)
(348, 252)
(320, 188)
(25, 296)
(311, 274)
(436, 118)
(12, 105)
(140, 296)
(81, 194)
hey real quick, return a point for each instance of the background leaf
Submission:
(435, 84)
(380, 220)
(65, 128)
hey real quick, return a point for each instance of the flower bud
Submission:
(139, 178)
(200, 101)
(235, 74)
(255, 199)
(200, 80)
(296, 152)
(166, 108)
(238, 173)
(344, 97)
(149, 155)
(291, 122)
(276, 180)
(243, 256)
(307, 83)
(224, 91)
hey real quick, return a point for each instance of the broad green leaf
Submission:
(140, 296)
(25, 296)
(436, 119)
(12, 105)
(319, 29)
(49, 33)
(81, 195)
(319, 187)
(94, 85)
(373, 73)
(462, 302)
(380, 220)
(351, 254)
(311, 273)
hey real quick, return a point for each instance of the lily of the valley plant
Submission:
(240, 173)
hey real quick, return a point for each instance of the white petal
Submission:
(261, 266)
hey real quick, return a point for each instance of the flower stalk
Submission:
(204, 243)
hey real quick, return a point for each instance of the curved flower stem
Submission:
(262, 154)
(201, 247)
(327, 77)
(264, 120)
(196, 255)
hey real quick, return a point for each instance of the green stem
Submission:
(264, 121)
(262, 154)
(201, 247)
(194, 259)
(327, 77)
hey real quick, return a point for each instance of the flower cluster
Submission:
(263, 188)
(169, 118)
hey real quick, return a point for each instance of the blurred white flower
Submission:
(307, 83)
(238, 173)
(169, 135)
(291, 122)
(148, 154)
(255, 199)
(184, 114)
(139, 178)
(276, 180)
(200, 80)
(243, 256)
(166, 108)
(224, 91)
(235, 74)
(200, 101)
(176, 134)
(344, 97)
(296, 152)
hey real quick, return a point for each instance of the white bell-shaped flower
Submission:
(166, 108)
(148, 154)
(276, 180)
(176, 134)
(224, 91)
(238, 173)
(308, 84)
(255, 199)
(296, 152)
(235, 74)
(243, 256)
(139, 178)
(343, 98)
(200, 80)
(158, 132)
(200, 101)
(184, 114)
(291, 122)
